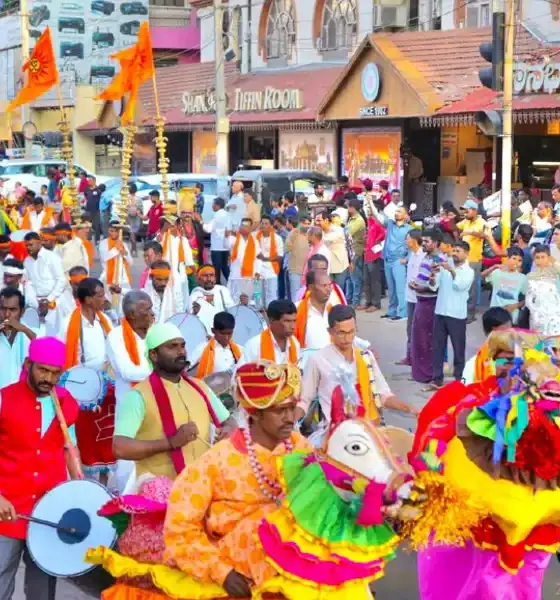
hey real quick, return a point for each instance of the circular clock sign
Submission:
(371, 82)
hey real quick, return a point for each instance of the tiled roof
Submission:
(450, 60)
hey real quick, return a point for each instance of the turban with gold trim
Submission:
(261, 385)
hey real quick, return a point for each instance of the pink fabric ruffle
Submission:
(291, 559)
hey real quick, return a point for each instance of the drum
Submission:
(70, 526)
(31, 318)
(192, 330)
(248, 323)
(87, 386)
(220, 383)
(19, 235)
(401, 441)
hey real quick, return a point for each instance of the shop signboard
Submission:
(541, 78)
(204, 157)
(373, 153)
(268, 100)
(308, 151)
(85, 34)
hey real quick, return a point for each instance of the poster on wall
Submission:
(204, 152)
(372, 153)
(85, 34)
(308, 150)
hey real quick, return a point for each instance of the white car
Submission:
(32, 174)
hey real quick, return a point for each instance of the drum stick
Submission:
(66, 433)
(204, 441)
(71, 530)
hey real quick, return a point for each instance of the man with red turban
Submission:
(218, 502)
(35, 456)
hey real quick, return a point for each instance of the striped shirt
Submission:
(425, 273)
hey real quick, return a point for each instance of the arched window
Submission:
(280, 30)
(339, 25)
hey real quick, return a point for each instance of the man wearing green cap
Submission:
(163, 423)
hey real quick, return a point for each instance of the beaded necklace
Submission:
(258, 470)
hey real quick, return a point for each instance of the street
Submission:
(388, 340)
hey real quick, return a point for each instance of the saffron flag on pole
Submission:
(137, 66)
(42, 72)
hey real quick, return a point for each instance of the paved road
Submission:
(388, 339)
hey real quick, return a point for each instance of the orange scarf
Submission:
(206, 364)
(88, 245)
(248, 266)
(130, 342)
(267, 348)
(182, 258)
(73, 337)
(112, 265)
(337, 291)
(48, 213)
(273, 254)
(483, 366)
(302, 317)
(366, 393)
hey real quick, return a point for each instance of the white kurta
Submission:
(211, 302)
(46, 275)
(223, 357)
(171, 303)
(105, 255)
(93, 348)
(238, 284)
(317, 331)
(12, 357)
(73, 254)
(171, 255)
(252, 351)
(36, 220)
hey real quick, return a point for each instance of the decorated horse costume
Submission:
(488, 461)
(328, 538)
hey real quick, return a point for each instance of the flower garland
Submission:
(258, 470)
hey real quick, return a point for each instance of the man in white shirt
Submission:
(236, 206)
(176, 251)
(167, 299)
(272, 253)
(71, 250)
(38, 217)
(220, 353)
(391, 208)
(5, 252)
(45, 272)
(312, 324)
(245, 265)
(116, 262)
(13, 278)
(321, 374)
(208, 298)
(15, 337)
(86, 330)
(126, 343)
(217, 230)
(278, 343)
(335, 240)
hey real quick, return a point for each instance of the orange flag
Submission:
(41, 69)
(137, 66)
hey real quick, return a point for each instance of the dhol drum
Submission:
(87, 386)
(64, 524)
(192, 329)
(248, 323)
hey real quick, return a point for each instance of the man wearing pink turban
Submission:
(33, 458)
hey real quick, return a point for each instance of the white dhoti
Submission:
(269, 290)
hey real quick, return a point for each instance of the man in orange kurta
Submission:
(218, 502)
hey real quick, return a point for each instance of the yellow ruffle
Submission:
(516, 508)
(294, 590)
(290, 531)
(172, 582)
(121, 591)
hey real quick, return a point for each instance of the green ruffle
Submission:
(481, 424)
(321, 512)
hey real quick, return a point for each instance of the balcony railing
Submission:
(170, 16)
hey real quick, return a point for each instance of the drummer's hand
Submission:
(244, 299)
(186, 434)
(237, 585)
(43, 307)
(7, 510)
(394, 403)
(122, 251)
(115, 289)
(195, 308)
(226, 429)
(257, 276)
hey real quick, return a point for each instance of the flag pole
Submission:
(161, 145)
(67, 154)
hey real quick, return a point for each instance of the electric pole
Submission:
(507, 139)
(25, 111)
(222, 121)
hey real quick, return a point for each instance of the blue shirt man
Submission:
(395, 252)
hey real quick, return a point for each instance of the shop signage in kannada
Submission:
(269, 100)
(536, 79)
(374, 111)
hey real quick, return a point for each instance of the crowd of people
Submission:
(158, 413)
